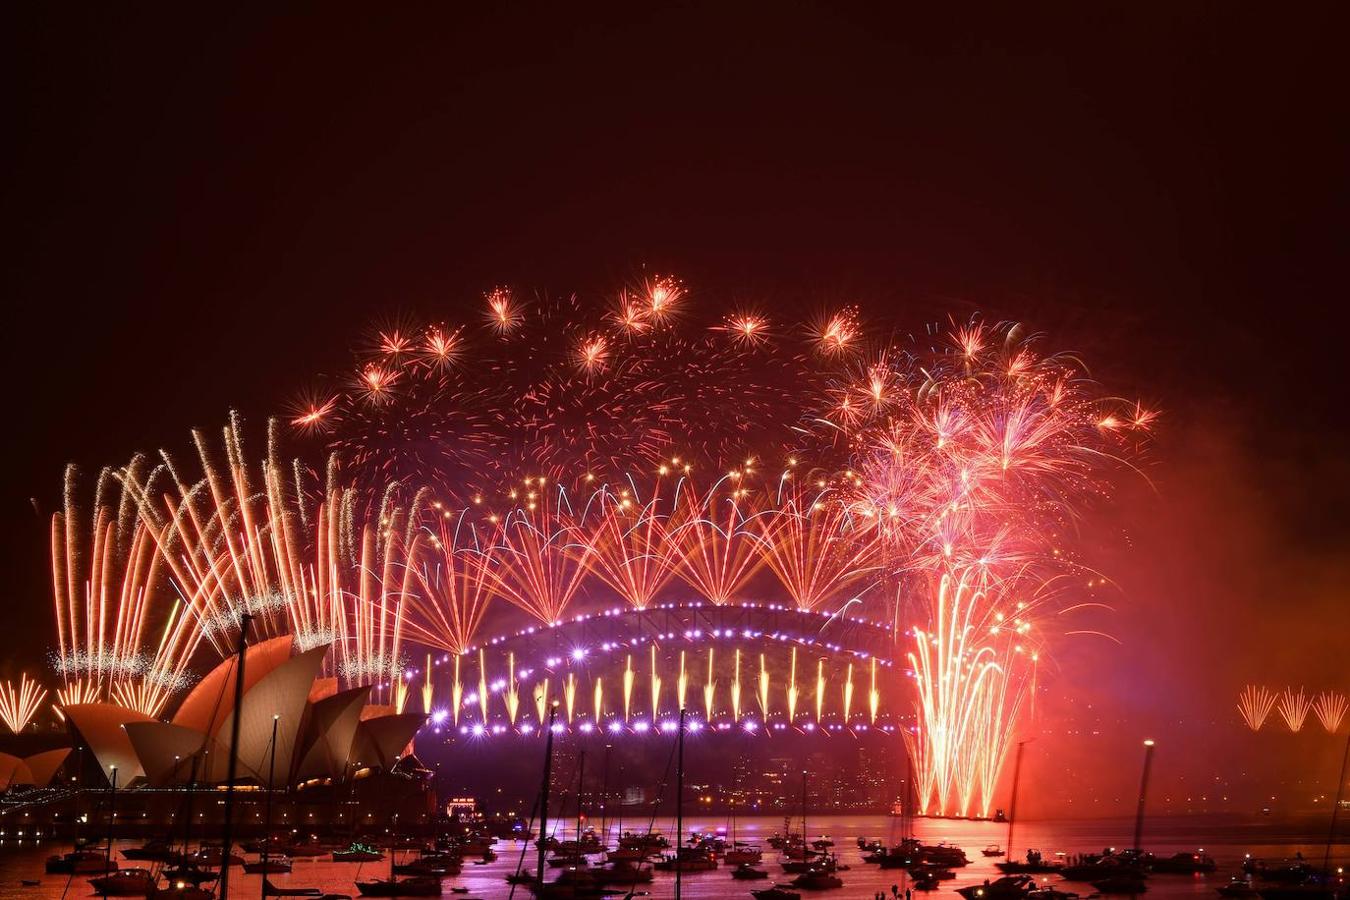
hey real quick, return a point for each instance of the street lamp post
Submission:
(271, 786)
(112, 817)
(232, 763)
(1012, 806)
(543, 794)
(1143, 792)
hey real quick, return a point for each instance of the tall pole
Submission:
(543, 791)
(112, 817)
(1012, 807)
(581, 783)
(806, 851)
(909, 796)
(1143, 793)
(679, 808)
(604, 801)
(187, 802)
(231, 769)
(1335, 809)
(267, 805)
(79, 796)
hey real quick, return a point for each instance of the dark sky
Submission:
(206, 208)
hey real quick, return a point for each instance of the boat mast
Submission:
(187, 803)
(679, 807)
(604, 802)
(79, 796)
(907, 814)
(1012, 806)
(1335, 809)
(581, 781)
(231, 768)
(267, 804)
(543, 791)
(806, 846)
(1143, 793)
(733, 821)
(618, 816)
(112, 818)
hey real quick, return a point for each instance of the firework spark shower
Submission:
(458, 340)
(630, 454)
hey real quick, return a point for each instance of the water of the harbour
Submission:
(1226, 839)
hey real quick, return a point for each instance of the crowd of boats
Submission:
(170, 873)
(588, 865)
(1116, 872)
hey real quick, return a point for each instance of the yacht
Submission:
(275, 864)
(125, 883)
(1239, 888)
(416, 886)
(1009, 886)
(687, 859)
(80, 862)
(358, 853)
(818, 880)
(741, 854)
(1121, 884)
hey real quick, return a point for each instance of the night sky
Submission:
(205, 210)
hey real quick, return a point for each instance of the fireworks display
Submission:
(1255, 704)
(554, 387)
(1294, 708)
(547, 456)
(112, 640)
(1330, 708)
(18, 704)
(971, 462)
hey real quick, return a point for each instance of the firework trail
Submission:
(715, 553)
(937, 489)
(222, 537)
(113, 639)
(969, 461)
(1330, 708)
(454, 583)
(970, 687)
(541, 551)
(556, 387)
(386, 577)
(1255, 704)
(1294, 708)
(629, 541)
(809, 538)
(321, 563)
(19, 704)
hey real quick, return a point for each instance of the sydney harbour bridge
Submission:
(744, 667)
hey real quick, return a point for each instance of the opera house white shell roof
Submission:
(319, 733)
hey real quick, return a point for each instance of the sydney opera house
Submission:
(331, 749)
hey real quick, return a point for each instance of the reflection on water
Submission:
(1226, 839)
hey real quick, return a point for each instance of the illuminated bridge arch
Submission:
(736, 667)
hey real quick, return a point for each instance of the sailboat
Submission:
(411, 886)
(743, 856)
(685, 859)
(819, 874)
(572, 854)
(798, 853)
(187, 873)
(80, 860)
(269, 864)
(741, 853)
